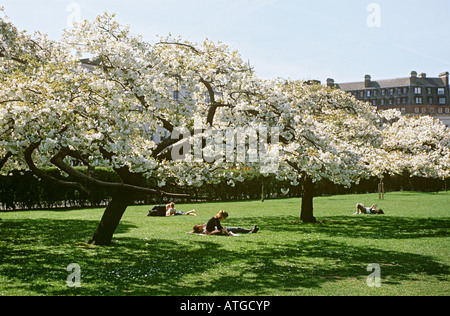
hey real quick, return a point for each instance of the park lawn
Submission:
(155, 256)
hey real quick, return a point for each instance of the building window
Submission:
(403, 110)
(368, 93)
(424, 110)
(404, 100)
(441, 91)
(441, 101)
(382, 102)
(418, 90)
(405, 90)
(419, 100)
(391, 91)
(440, 111)
(430, 100)
(416, 110)
(447, 110)
(383, 92)
(429, 91)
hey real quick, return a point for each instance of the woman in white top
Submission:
(171, 211)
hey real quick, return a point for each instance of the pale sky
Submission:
(295, 39)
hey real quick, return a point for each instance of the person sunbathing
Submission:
(361, 208)
(171, 211)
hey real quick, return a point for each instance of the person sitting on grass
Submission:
(171, 211)
(361, 208)
(213, 227)
(200, 229)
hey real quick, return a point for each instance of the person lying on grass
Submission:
(171, 211)
(367, 210)
(213, 227)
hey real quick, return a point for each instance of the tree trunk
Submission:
(111, 218)
(307, 200)
(262, 189)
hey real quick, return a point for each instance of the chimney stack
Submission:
(444, 77)
(367, 79)
(330, 82)
(413, 77)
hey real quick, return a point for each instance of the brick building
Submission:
(414, 95)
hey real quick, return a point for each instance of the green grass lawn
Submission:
(155, 256)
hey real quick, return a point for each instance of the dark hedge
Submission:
(23, 190)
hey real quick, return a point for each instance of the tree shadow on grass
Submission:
(52, 231)
(385, 227)
(35, 253)
(362, 226)
(163, 268)
(313, 264)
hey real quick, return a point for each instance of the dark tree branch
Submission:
(29, 160)
(195, 50)
(214, 105)
(16, 59)
(58, 160)
(14, 100)
(163, 146)
(294, 166)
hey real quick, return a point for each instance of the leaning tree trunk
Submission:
(307, 200)
(111, 218)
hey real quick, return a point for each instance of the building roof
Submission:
(389, 83)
